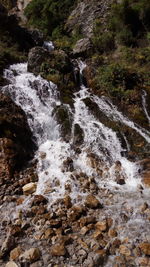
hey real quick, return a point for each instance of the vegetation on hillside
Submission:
(49, 15)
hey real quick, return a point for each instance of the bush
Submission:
(130, 20)
(48, 15)
(117, 80)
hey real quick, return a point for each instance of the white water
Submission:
(38, 98)
(144, 95)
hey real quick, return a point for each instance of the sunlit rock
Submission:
(29, 188)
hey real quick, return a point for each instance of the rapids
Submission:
(39, 98)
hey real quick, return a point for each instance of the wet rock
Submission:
(15, 253)
(11, 264)
(68, 165)
(36, 57)
(39, 199)
(145, 248)
(15, 133)
(67, 202)
(58, 250)
(78, 135)
(29, 188)
(92, 202)
(31, 255)
(75, 212)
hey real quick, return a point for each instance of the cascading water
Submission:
(144, 95)
(39, 98)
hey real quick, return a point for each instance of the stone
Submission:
(11, 264)
(49, 233)
(124, 250)
(97, 235)
(144, 261)
(112, 233)
(15, 253)
(29, 188)
(82, 47)
(38, 199)
(58, 250)
(75, 212)
(31, 255)
(145, 248)
(92, 202)
(101, 226)
(67, 202)
(8, 244)
(15, 230)
(84, 230)
(87, 220)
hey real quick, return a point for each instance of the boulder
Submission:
(15, 134)
(40, 61)
(82, 47)
(144, 170)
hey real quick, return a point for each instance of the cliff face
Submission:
(84, 15)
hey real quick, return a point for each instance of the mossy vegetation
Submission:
(121, 56)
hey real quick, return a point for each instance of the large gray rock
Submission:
(84, 15)
(82, 47)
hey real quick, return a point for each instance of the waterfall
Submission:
(66, 168)
(144, 95)
(38, 98)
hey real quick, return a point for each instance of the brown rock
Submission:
(145, 248)
(67, 202)
(58, 250)
(38, 199)
(101, 226)
(92, 202)
(98, 235)
(15, 230)
(49, 233)
(87, 220)
(144, 261)
(84, 230)
(112, 233)
(124, 250)
(15, 253)
(31, 255)
(75, 212)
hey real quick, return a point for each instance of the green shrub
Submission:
(48, 15)
(117, 80)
